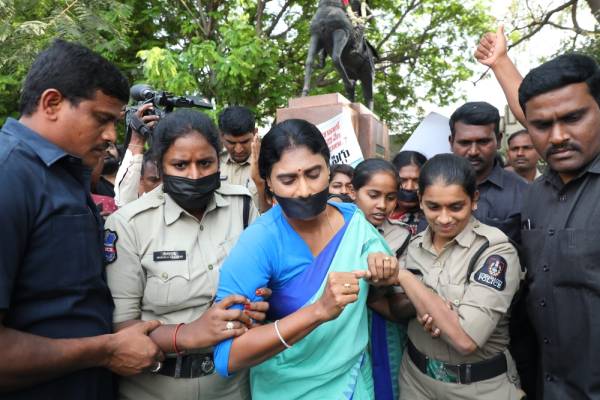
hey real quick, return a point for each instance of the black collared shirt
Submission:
(52, 279)
(501, 200)
(561, 243)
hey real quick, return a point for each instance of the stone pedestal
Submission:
(371, 132)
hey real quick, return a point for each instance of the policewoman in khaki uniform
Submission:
(376, 183)
(461, 279)
(163, 253)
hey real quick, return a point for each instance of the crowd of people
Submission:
(213, 264)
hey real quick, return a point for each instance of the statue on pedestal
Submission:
(337, 29)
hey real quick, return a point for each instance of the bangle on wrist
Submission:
(281, 337)
(179, 353)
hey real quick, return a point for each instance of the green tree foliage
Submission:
(251, 52)
(27, 26)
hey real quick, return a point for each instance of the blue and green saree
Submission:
(333, 361)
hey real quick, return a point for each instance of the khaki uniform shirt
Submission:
(238, 174)
(167, 268)
(395, 234)
(482, 300)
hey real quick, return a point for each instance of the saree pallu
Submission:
(333, 361)
(387, 344)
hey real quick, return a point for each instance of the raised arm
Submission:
(263, 203)
(492, 51)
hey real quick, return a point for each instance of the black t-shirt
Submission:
(561, 247)
(52, 278)
(501, 200)
(104, 187)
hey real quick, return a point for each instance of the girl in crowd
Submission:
(313, 255)
(376, 186)
(462, 275)
(408, 164)
(164, 251)
(340, 182)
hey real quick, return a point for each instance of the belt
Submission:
(457, 373)
(188, 366)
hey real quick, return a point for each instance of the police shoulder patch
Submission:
(492, 273)
(110, 246)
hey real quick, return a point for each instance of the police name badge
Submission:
(493, 272)
(110, 246)
(174, 255)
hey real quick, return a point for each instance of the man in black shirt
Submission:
(105, 184)
(55, 306)
(475, 135)
(561, 223)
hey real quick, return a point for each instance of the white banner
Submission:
(431, 136)
(341, 139)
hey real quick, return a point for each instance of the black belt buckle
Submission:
(205, 364)
(457, 373)
(189, 366)
(464, 374)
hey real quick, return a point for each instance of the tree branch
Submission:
(277, 18)
(194, 15)
(544, 21)
(260, 8)
(409, 8)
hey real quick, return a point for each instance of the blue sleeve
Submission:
(16, 217)
(247, 268)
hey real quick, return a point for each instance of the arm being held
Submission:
(428, 302)
(30, 359)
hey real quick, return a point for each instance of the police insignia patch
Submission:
(493, 272)
(110, 246)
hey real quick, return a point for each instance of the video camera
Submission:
(162, 102)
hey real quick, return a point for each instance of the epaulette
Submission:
(228, 189)
(151, 200)
(493, 235)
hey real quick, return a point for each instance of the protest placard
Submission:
(341, 139)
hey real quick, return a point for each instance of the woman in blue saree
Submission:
(316, 258)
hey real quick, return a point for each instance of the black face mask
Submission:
(111, 166)
(191, 194)
(408, 196)
(303, 208)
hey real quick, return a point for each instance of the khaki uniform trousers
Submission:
(415, 385)
(148, 386)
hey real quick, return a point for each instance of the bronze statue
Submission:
(337, 29)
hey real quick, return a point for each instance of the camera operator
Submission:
(127, 182)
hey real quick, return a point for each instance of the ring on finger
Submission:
(229, 325)
(347, 285)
